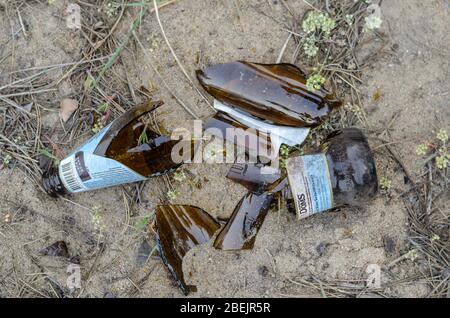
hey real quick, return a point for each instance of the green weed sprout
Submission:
(349, 19)
(143, 223)
(310, 46)
(442, 155)
(412, 255)
(442, 135)
(385, 184)
(173, 194)
(443, 158)
(97, 218)
(143, 138)
(315, 82)
(373, 22)
(318, 21)
(111, 9)
(284, 153)
(421, 150)
(442, 161)
(7, 160)
(179, 175)
(98, 126)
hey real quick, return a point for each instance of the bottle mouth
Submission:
(52, 182)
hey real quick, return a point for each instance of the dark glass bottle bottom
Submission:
(52, 183)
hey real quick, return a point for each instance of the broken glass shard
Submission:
(257, 178)
(179, 229)
(58, 248)
(248, 216)
(274, 93)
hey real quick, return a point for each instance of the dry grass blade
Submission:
(178, 99)
(176, 57)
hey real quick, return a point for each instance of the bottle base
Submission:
(52, 182)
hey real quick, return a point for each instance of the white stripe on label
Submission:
(68, 175)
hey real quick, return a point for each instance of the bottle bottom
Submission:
(52, 182)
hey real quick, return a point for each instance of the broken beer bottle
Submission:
(343, 173)
(274, 93)
(116, 155)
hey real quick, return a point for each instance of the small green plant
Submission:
(173, 194)
(179, 175)
(215, 154)
(372, 22)
(421, 150)
(385, 184)
(111, 9)
(442, 154)
(143, 137)
(98, 126)
(317, 26)
(284, 154)
(97, 218)
(318, 21)
(144, 222)
(412, 255)
(48, 154)
(102, 108)
(442, 136)
(310, 47)
(349, 19)
(315, 82)
(88, 83)
(435, 238)
(7, 160)
(153, 44)
(442, 161)
(355, 109)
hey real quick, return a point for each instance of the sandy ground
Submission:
(332, 246)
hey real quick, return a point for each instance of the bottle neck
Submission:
(52, 182)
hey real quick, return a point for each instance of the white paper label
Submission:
(310, 184)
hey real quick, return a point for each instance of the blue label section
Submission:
(105, 172)
(90, 145)
(82, 170)
(318, 185)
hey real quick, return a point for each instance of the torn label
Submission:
(290, 136)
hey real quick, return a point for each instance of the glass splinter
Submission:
(275, 93)
(179, 229)
(257, 178)
(245, 222)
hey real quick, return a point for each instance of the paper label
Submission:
(83, 170)
(310, 184)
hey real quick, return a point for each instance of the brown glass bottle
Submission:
(125, 151)
(342, 173)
